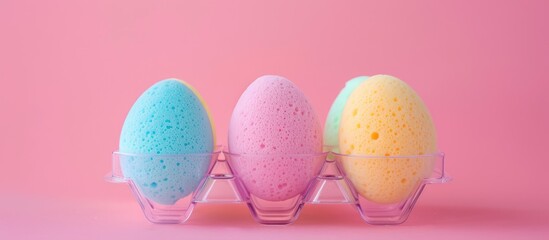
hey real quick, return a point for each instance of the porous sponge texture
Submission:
(277, 177)
(165, 179)
(272, 122)
(385, 117)
(273, 117)
(168, 118)
(166, 122)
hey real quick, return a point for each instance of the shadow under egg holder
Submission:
(275, 196)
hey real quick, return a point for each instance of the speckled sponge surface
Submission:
(167, 124)
(270, 124)
(385, 117)
(274, 116)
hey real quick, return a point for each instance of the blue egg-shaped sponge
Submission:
(166, 141)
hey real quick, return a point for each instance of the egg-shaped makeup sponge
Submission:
(276, 134)
(385, 117)
(273, 116)
(167, 124)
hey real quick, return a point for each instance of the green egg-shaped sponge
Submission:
(331, 127)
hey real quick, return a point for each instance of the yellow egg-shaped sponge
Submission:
(385, 117)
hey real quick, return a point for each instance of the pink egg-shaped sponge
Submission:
(274, 117)
(276, 134)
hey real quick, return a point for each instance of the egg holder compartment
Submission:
(221, 184)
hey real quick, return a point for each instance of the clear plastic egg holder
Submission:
(225, 181)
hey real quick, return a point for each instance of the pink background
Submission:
(70, 71)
